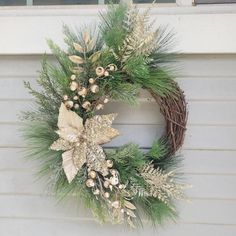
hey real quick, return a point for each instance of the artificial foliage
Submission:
(112, 61)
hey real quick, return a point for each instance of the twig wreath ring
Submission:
(65, 133)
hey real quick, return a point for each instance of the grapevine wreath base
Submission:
(110, 62)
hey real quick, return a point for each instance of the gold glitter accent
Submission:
(98, 129)
(162, 184)
(81, 143)
(61, 144)
(96, 159)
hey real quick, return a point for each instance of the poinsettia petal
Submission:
(79, 155)
(69, 166)
(96, 159)
(98, 129)
(61, 144)
(68, 134)
(69, 121)
(73, 160)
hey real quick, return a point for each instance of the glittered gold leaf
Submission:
(76, 59)
(76, 70)
(98, 129)
(129, 205)
(86, 37)
(94, 57)
(90, 45)
(78, 47)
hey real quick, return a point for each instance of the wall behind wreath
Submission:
(208, 76)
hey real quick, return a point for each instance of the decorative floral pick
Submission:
(81, 142)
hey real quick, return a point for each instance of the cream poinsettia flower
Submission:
(81, 142)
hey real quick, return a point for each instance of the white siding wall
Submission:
(209, 151)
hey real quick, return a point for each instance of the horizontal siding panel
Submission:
(213, 212)
(19, 66)
(194, 230)
(209, 89)
(211, 65)
(13, 110)
(14, 158)
(203, 186)
(14, 88)
(210, 137)
(211, 113)
(15, 182)
(27, 227)
(40, 206)
(211, 186)
(209, 212)
(209, 162)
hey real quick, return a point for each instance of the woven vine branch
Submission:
(174, 110)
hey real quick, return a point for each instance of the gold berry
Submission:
(109, 163)
(106, 100)
(99, 107)
(86, 105)
(76, 106)
(91, 81)
(90, 183)
(106, 195)
(106, 184)
(96, 192)
(92, 174)
(65, 97)
(112, 67)
(83, 92)
(121, 186)
(100, 71)
(73, 77)
(113, 171)
(114, 180)
(75, 98)
(69, 104)
(106, 73)
(73, 86)
(94, 88)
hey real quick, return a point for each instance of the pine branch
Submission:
(125, 92)
(158, 150)
(156, 211)
(61, 57)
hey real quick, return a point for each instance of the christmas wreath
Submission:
(109, 63)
